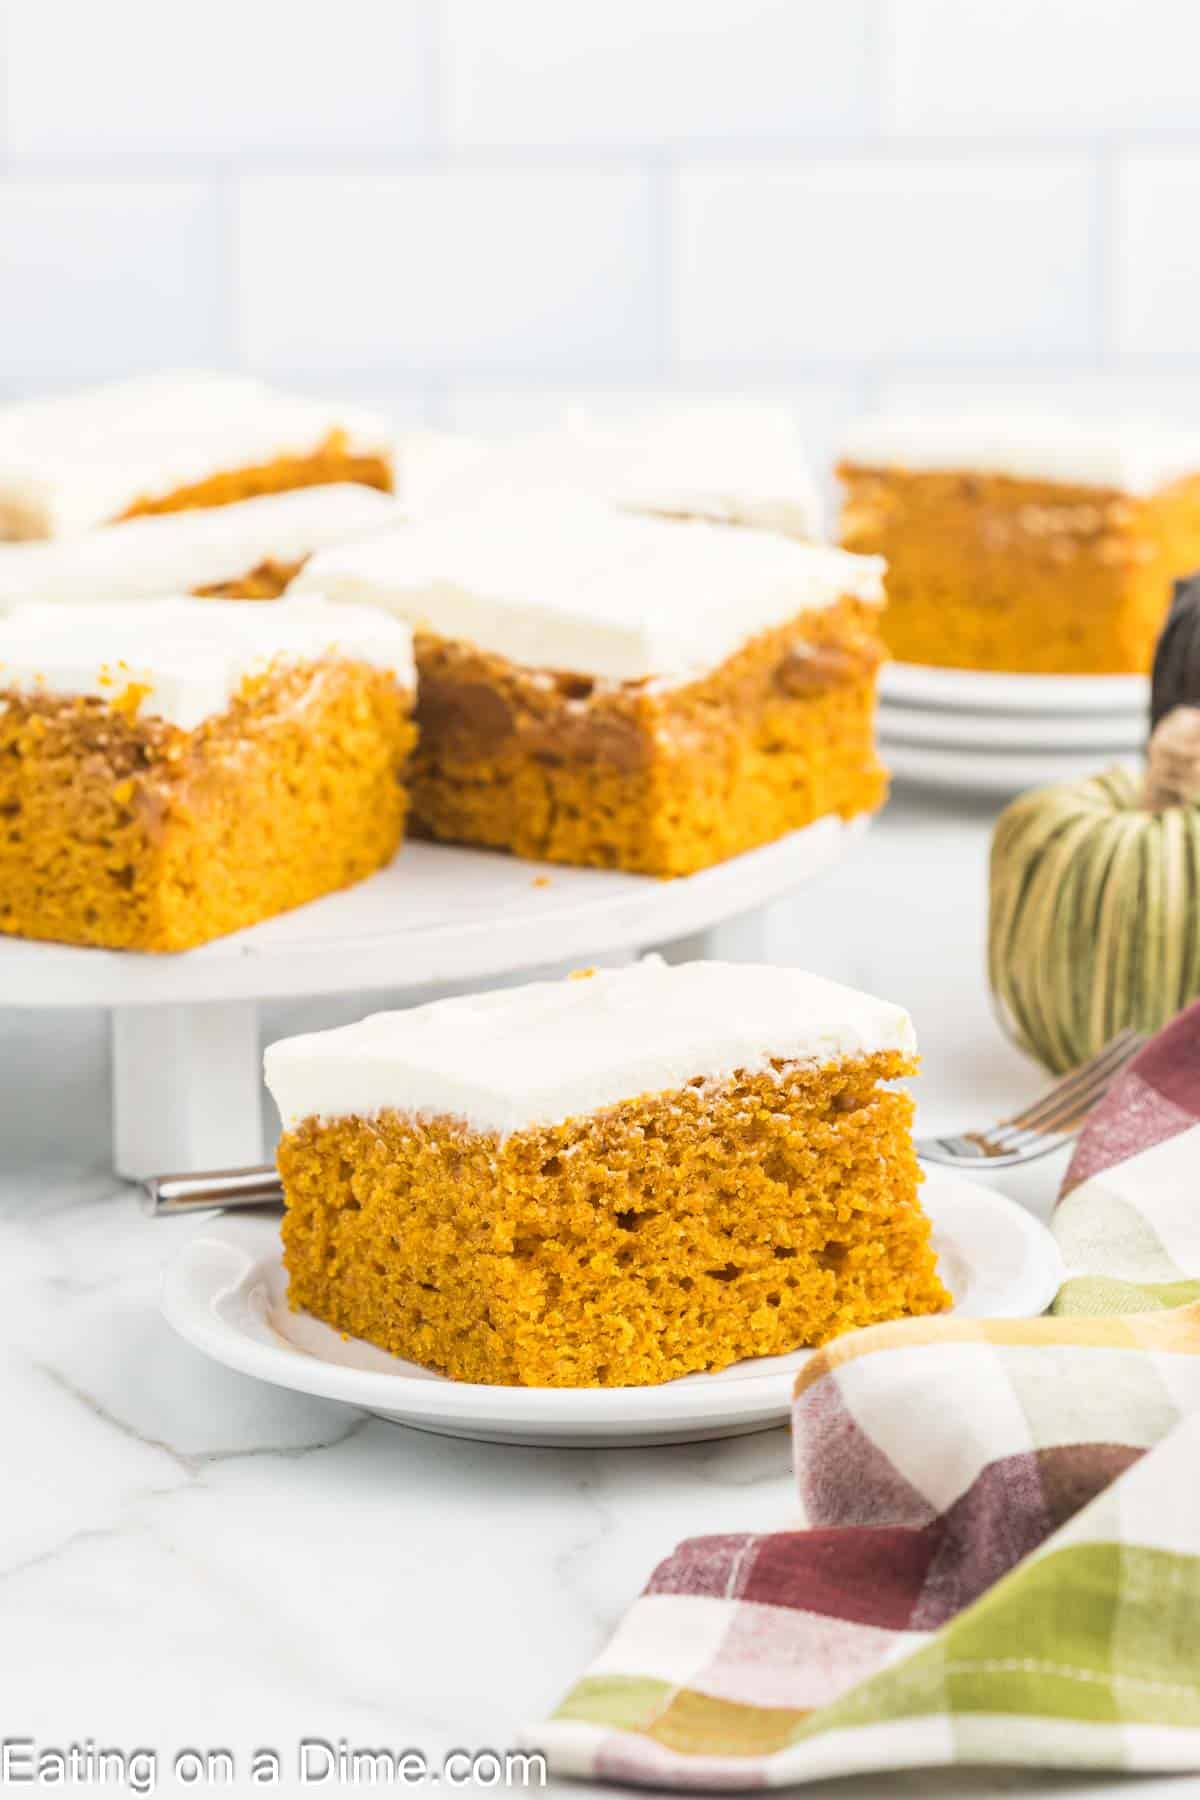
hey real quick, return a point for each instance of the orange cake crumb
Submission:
(266, 581)
(623, 691)
(987, 571)
(332, 462)
(669, 1234)
(121, 828)
(662, 781)
(174, 442)
(463, 1190)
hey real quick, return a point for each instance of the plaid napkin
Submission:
(1000, 1553)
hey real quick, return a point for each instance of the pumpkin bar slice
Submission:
(163, 443)
(731, 463)
(249, 550)
(607, 1181)
(626, 692)
(1030, 545)
(170, 772)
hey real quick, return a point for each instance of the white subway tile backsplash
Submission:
(230, 76)
(404, 401)
(1156, 254)
(857, 258)
(654, 71)
(514, 268)
(475, 211)
(106, 277)
(1042, 66)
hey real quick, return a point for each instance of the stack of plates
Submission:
(998, 734)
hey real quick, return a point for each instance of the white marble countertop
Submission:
(190, 1559)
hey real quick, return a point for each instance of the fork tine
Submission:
(1082, 1086)
(1047, 1124)
(1066, 1117)
(1081, 1080)
(1061, 1128)
(1070, 1112)
(1078, 1105)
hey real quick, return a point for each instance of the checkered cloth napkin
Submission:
(999, 1559)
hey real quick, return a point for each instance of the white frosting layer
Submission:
(733, 464)
(554, 1050)
(78, 460)
(176, 553)
(580, 587)
(431, 465)
(191, 656)
(1135, 457)
(737, 465)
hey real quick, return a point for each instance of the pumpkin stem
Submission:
(1173, 760)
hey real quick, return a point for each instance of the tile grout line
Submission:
(436, 122)
(664, 201)
(229, 188)
(1104, 257)
(6, 157)
(796, 154)
(881, 70)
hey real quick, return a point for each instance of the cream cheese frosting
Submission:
(433, 466)
(1131, 456)
(553, 1050)
(735, 464)
(583, 588)
(190, 657)
(176, 553)
(76, 460)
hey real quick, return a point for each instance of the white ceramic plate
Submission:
(969, 690)
(1111, 733)
(226, 1294)
(1002, 773)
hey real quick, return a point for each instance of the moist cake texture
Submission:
(1037, 546)
(626, 692)
(163, 443)
(250, 549)
(172, 772)
(609, 1181)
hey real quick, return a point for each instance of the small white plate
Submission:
(1106, 733)
(1002, 773)
(970, 690)
(226, 1293)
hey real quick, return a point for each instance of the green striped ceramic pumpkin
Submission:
(1094, 915)
(1094, 902)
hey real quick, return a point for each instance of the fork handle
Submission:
(225, 1188)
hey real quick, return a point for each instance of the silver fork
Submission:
(1043, 1127)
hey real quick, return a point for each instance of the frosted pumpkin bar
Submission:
(606, 1181)
(248, 550)
(161, 443)
(173, 771)
(1035, 545)
(627, 692)
(733, 464)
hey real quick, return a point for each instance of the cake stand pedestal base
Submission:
(186, 1087)
(745, 939)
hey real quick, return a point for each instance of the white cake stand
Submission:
(187, 1091)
